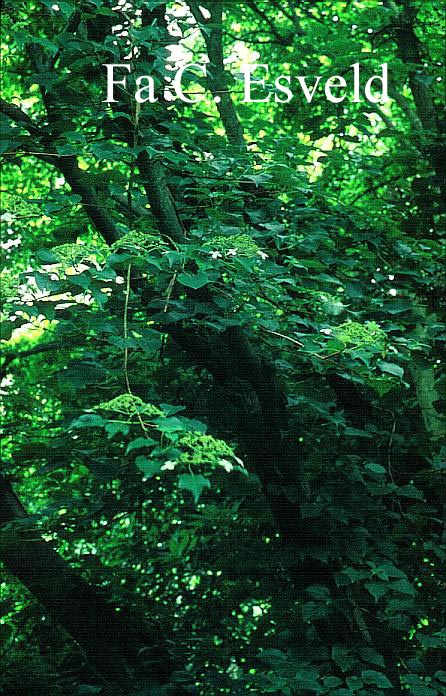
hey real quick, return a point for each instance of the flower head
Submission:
(169, 466)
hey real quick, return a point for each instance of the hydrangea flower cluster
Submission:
(128, 404)
(234, 245)
(74, 254)
(17, 209)
(139, 240)
(354, 333)
(204, 450)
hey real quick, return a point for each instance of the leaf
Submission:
(399, 306)
(89, 420)
(169, 425)
(354, 683)
(107, 12)
(7, 143)
(170, 410)
(375, 468)
(258, 179)
(47, 256)
(272, 655)
(192, 425)
(312, 611)
(435, 641)
(410, 491)
(82, 279)
(355, 432)
(370, 655)
(116, 428)
(332, 682)
(320, 592)
(387, 570)
(376, 589)
(139, 443)
(44, 282)
(196, 281)
(101, 467)
(343, 658)
(403, 586)
(391, 368)
(369, 676)
(195, 483)
(416, 666)
(304, 681)
(311, 510)
(422, 691)
(6, 329)
(380, 489)
(77, 374)
(41, 41)
(148, 467)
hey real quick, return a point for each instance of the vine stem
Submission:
(126, 328)
(126, 349)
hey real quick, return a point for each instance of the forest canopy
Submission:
(223, 338)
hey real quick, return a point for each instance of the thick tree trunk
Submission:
(108, 638)
(263, 429)
(410, 52)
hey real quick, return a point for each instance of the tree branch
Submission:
(35, 350)
(229, 355)
(410, 52)
(291, 15)
(218, 80)
(69, 167)
(113, 642)
(15, 114)
(281, 39)
(160, 198)
(406, 107)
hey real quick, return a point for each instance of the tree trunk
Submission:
(109, 638)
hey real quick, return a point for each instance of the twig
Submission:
(287, 338)
(126, 349)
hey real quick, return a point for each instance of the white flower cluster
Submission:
(233, 252)
(169, 466)
(227, 465)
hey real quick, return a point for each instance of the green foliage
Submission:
(223, 369)
(129, 404)
(233, 245)
(353, 334)
(203, 449)
(73, 254)
(143, 241)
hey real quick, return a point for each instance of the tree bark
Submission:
(217, 77)
(110, 640)
(410, 52)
